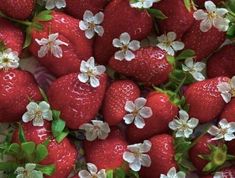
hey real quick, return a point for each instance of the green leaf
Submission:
(231, 31)
(14, 149)
(133, 174)
(41, 152)
(109, 174)
(28, 38)
(8, 166)
(61, 136)
(56, 114)
(157, 13)
(57, 127)
(21, 135)
(46, 169)
(188, 5)
(119, 173)
(171, 59)
(44, 16)
(187, 53)
(28, 147)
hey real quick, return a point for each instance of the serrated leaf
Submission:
(14, 148)
(157, 13)
(8, 166)
(28, 147)
(21, 135)
(41, 152)
(47, 170)
(57, 127)
(187, 53)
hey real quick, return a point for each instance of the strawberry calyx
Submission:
(218, 157)
(121, 173)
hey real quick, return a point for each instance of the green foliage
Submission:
(157, 14)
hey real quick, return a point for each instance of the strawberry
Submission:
(222, 62)
(228, 111)
(164, 111)
(137, 23)
(203, 43)
(118, 93)
(151, 59)
(11, 36)
(201, 3)
(162, 157)
(17, 9)
(205, 95)
(76, 8)
(225, 172)
(78, 46)
(17, 88)
(78, 102)
(63, 155)
(179, 18)
(106, 154)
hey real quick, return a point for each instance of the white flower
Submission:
(143, 4)
(51, 44)
(225, 130)
(213, 17)
(137, 112)
(218, 175)
(98, 129)
(127, 46)
(37, 113)
(9, 59)
(92, 172)
(51, 4)
(173, 174)
(137, 157)
(183, 125)
(167, 43)
(90, 72)
(227, 89)
(91, 24)
(28, 172)
(195, 69)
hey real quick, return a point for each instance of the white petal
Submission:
(98, 18)
(171, 36)
(181, 174)
(100, 70)
(213, 130)
(221, 24)
(129, 56)
(232, 82)
(83, 77)
(170, 51)
(119, 55)
(94, 82)
(87, 16)
(43, 51)
(198, 76)
(38, 122)
(172, 125)
(129, 106)
(90, 33)
(199, 66)
(92, 168)
(57, 51)
(117, 43)
(189, 63)
(224, 87)
(200, 15)
(210, 6)
(42, 42)
(47, 115)
(139, 122)
(60, 4)
(52, 37)
(146, 112)
(84, 174)
(99, 30)
(128, 118)
(229, 137)
(83, 25)
(145, 147)
(50, 4)
(128, 156)
(180, 133)
(140, 102)
(177, 45)
(172, 172)
(188, 132)
(32, 106)
(205, 25)
(30, 166)
(226, 97)
(44, 106)
(183, 115)
(134, 45)
(147, 4)
(145, 160)
(26, 117)
(125, 38)
(221, 11)
(193, 122)
(136, 165)
(102, 173)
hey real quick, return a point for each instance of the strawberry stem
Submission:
(26, 23)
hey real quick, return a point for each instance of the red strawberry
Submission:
(78, 102)
(79, 47)
(204, 99)
(164, 111)
(63, 155)
(17, 88)
(203, 43)
(226, 173)
(222, 63)
(229, 111)
(137, 23)
(17, 9)
(116, 97)
(162, 157)
(178, 20)
(201, 3)
(150, 66)
(11, 36)
(106, 154)
(77, 8)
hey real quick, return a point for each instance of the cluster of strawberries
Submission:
(145, 87)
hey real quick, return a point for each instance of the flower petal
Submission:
(139, 122)
(129, 106)
(140, 102)
(128, 156)
(134, 45)
(129, 56)
(125, 38)
(129, 118)
(145, 160)
(136, 165)
(94, 82)
(205, 25)
(83, 77)
(146, 112)
(177, 45)
(200, 15)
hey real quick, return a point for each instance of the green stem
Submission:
(26, 23)
(180, 84)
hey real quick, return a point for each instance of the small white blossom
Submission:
(195, 69)
(137, 157)
(167, 43)
(173, 174)
(227, 89)
(137, 112)
(51, 44)
(51, 4)
(127, 46)
(37, 113)
(225, 130)
(9, 59)
(218, 175)
(213, 17)
(92, 172)
(183, 125)
(28, 172)
(91, 24)
(143, 4)
(90, 72)
(98, 129)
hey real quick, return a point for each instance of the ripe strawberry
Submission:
(78, 102)
(76, 8)
(226, 173)
(17, 88)
(204, 99)
(164, 111)
(203, 43)
(150, 66)
(106, 154)
(162, 157)
(79, 47)
(11, 36)
(178, 20)
(201, 3)
(228, 111)
(222, 63)
(137, 23)
(116, 97)
(63, 155)
(17, 9)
